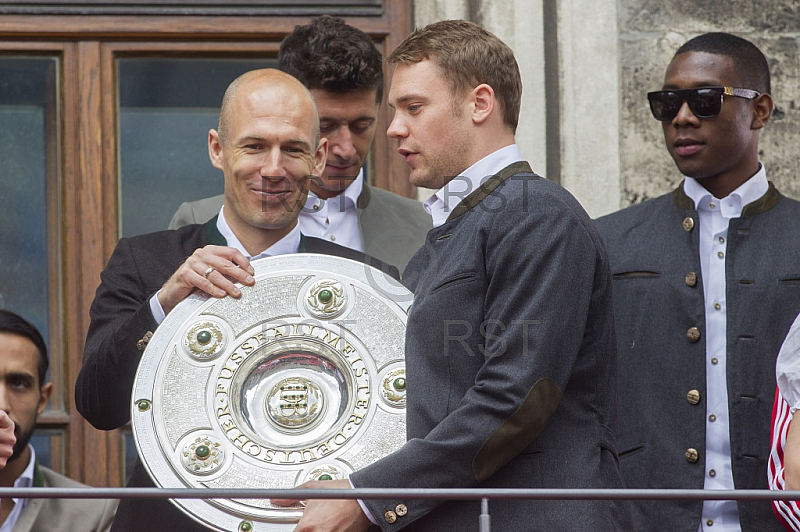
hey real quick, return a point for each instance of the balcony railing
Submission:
(484, 495)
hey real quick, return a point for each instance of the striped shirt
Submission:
(788, 512)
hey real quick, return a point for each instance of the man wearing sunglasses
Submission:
(705, 289)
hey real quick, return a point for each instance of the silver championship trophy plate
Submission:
(302, 378)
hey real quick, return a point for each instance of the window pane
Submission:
(166, 107)
(27, 129)
(49, 446)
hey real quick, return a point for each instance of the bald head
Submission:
(267, 146)
(259, 84)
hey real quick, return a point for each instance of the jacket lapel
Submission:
(488, 186)
(212, 233)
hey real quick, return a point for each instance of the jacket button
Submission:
(691, 279)
(141, 344)
(693, 396)
(691, 455)
(688, 224)
(400, 510)
(693, 334)
(390, 516)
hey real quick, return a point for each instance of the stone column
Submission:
(567, 53)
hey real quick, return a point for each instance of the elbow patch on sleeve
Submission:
(519, 430)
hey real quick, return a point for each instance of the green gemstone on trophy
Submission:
(202, 452)
(246, 526)
(399, 383)
(325, 477)
(203, 337)
(143, 405)
(324, 296)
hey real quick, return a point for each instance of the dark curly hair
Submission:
(330, 55)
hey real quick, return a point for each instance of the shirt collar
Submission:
(353, 190)
(350, 195)
(288, 244)
(447, 198)
(732, 205)
(25, 480)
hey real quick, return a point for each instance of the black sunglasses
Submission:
(704, 102)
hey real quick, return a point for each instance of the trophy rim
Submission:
(150, 436)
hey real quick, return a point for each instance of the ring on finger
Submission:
(208, 272)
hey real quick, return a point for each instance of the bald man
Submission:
(268, 148)
(344, 71)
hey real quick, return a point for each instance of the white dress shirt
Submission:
(288, 244)
(25, 480)
(714, 215)
(335, 219)
(447, 198)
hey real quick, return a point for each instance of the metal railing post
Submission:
(485, 521)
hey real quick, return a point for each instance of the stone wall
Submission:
(650, 33)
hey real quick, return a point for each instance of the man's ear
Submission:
(44, 397)
(762, 108)
(483, 102)
(320, 157)
(215, 149)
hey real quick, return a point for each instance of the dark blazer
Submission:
(658, 297)
(120, 317)
(511, 365)
(64, 515)
(392, 227)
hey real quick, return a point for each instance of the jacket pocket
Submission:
(636, 449)
(459, 278)
(635, 274)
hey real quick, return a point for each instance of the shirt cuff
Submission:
(363, 506)
(156, 310)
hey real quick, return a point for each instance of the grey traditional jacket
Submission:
(63, 515)
(660, 322)
(392, 227)
(511, 365)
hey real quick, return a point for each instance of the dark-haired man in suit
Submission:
(24, 393)
(267, 145)
(705, 289)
